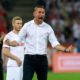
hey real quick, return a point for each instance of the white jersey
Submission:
(17, 51)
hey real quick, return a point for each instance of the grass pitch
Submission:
(58, 76)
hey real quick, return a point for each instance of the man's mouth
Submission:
(41, 18)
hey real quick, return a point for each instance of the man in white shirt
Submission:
(15, 54)
(36, 34)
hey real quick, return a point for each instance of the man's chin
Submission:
(19, 30)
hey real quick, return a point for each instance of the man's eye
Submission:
(40, 12)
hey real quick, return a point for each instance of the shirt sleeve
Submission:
(23, 33)
(52, 38)
(4, 44)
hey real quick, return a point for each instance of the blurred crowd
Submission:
(5, 6)
(64, 17)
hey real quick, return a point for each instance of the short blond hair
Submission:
(16, 18)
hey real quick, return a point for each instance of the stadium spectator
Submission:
(78, 45)
(76, 28)
(68, 32)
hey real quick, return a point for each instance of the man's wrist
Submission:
(65, 50)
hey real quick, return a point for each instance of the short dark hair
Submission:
(39, 6)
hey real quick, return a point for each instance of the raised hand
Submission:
(70, 49)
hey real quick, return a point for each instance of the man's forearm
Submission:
(60, 48)
(11, 43)
(7, 53)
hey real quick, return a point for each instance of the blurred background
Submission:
(62, 15)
